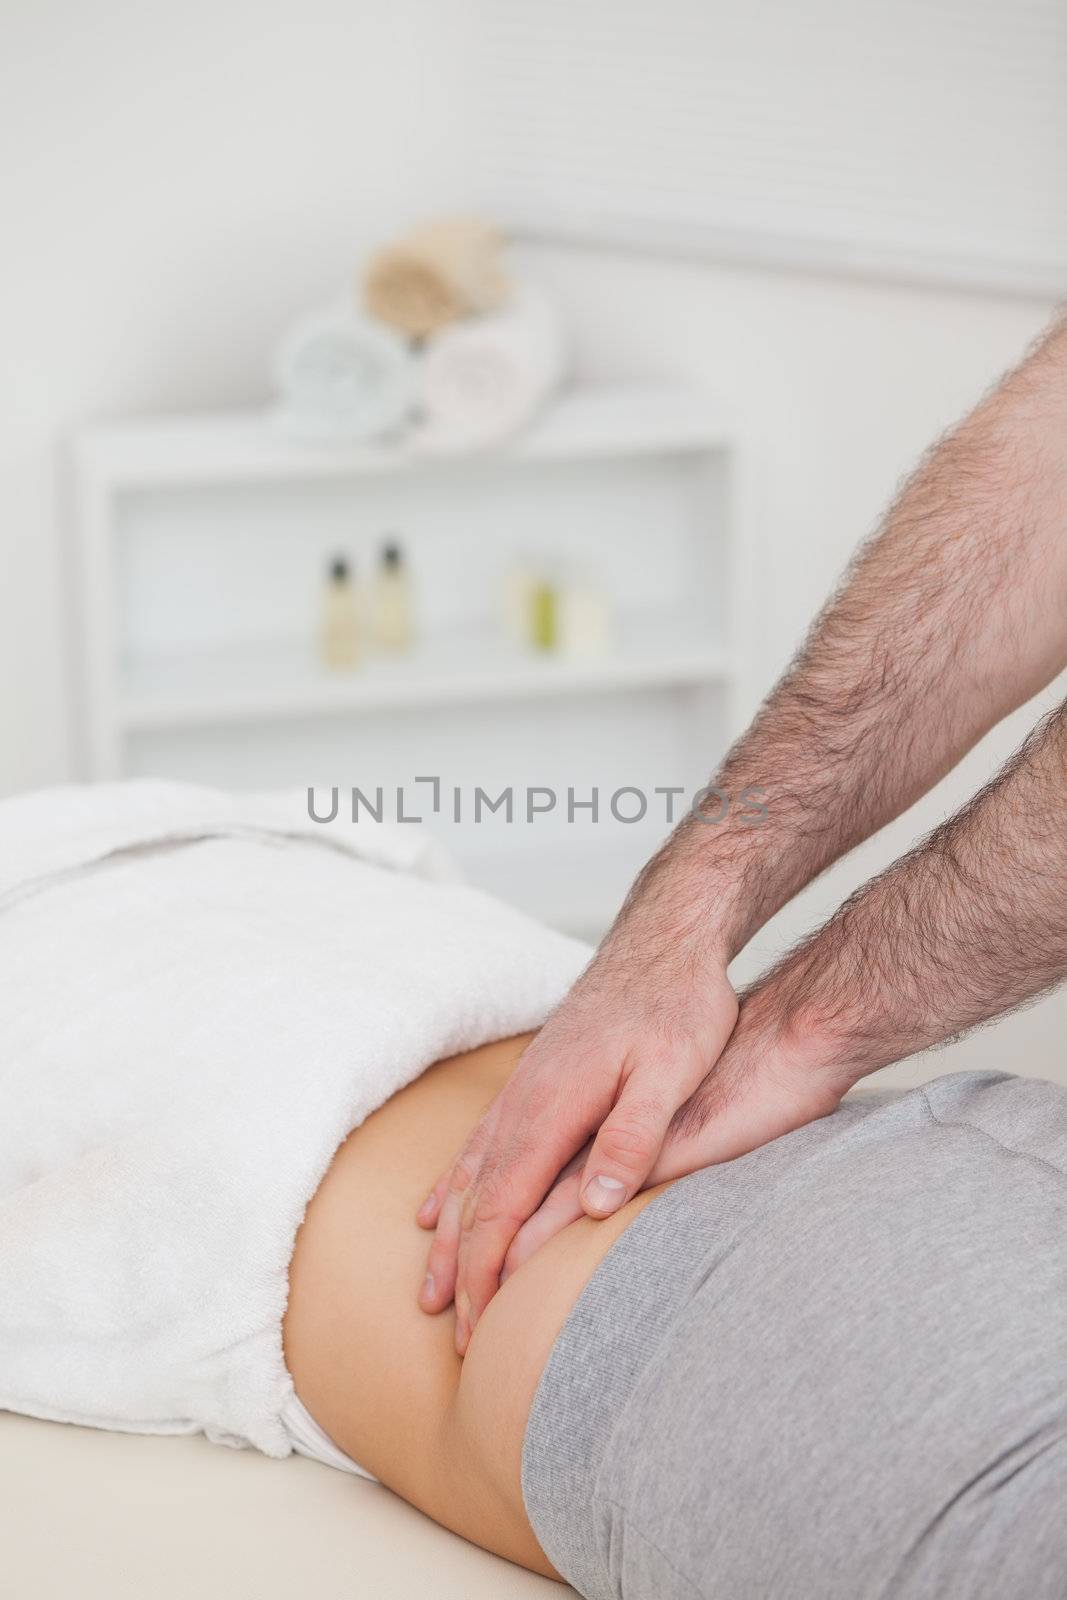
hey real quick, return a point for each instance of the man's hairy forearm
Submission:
(949, 618)
(968, 925)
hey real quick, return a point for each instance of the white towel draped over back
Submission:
(201, 996)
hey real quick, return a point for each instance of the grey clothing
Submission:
(831, 1370)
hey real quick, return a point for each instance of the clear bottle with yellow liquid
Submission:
(341, 632)
(394, 620)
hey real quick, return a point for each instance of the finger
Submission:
(560, 1207)
(438, 1284)
(505, 1197)
(427, 1214)
(625, 1149)
(478, 1275)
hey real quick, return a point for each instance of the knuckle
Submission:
(464, 1172)
(565, 1192)
(446, 1234)
(498, 1203)
(490, 1205)
(627, 1143)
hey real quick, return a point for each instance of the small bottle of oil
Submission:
(340, 618)
(394, 623)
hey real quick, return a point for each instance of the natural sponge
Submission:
(443, 271)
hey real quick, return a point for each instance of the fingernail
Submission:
(604, 1193)
(428, 1286)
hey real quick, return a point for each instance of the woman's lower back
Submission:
(380, 1376)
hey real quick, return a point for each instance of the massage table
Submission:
(108, 1516)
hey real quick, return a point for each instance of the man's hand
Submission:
(764, 1084)
(631, 1042)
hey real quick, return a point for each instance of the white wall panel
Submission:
(923, 138)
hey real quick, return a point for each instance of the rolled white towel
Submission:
(339, 375)
(484, 379)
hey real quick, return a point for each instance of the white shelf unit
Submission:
(202, 547)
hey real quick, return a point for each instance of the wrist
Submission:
(739, 872)
(676, 911)
(697, 890)
(775, 1026)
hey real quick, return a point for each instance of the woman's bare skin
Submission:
(381, 1377)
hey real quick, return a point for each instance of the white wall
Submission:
(178, 180)
(929, 137)
(175, 182)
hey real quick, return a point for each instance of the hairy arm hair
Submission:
(949, 617)
(969, 925)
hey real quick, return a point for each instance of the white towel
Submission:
(202, 995)
(341, 376)
(484, 379)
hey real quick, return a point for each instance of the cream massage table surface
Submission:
(127, 1516)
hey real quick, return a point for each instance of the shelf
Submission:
(250, 447)
(276, 684)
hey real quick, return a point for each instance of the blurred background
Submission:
(491, 390)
